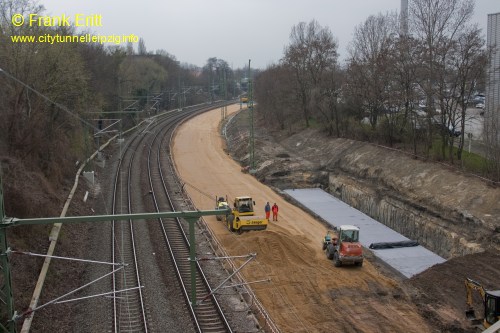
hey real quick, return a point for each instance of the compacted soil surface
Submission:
(304, 291)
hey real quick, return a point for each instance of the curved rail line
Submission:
(129, 308)
(208, 315)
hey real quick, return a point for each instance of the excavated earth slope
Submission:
(305, 292)
(450, 212)
(453, 214)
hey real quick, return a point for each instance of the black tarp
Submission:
(392, 245)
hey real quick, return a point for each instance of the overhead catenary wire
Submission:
(276, 290)
(31, 310)
(99, 295)
(250, 258)
(60, 106)
(54, 234)
(65, 258)
(197, 189)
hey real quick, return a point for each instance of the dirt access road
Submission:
(306, 292)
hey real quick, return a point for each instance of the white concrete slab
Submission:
(408, 261)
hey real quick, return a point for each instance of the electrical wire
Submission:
(62, 107)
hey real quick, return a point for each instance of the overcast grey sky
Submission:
(233, 30)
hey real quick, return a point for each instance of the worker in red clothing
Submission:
(275, 212)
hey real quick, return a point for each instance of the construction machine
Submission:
(342, 246)
(242, 217)
(490, 300)
(221, 204)
(244, 206)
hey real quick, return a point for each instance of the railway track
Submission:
(149, 148)
(128, 301)
(165, 187)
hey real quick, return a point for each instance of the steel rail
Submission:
(166, 236)
(137, 281)
(129, 150)
(208, 290)
(208, 316)
(113, 232)
(128, 302)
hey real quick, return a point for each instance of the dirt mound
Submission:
(441, 291)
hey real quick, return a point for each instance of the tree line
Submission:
(405, 83)
(54, 98)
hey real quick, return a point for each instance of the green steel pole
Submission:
(192, 260)
(225, 93)
(250, 107)
(7, 285)
(12, 221)
(7, 281)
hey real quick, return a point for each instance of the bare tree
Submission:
(274, 90)
(369, 66)
(466, 62)
(39, 78)
(312, 50)
(435, 23)
(130, 49)
(405, 94)
(217, 72)
(141, 74)
(327, 99)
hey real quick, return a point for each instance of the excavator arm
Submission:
(471, 285)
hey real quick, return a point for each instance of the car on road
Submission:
(479, 98)
(450, 129)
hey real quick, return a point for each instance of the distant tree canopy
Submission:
(406, 89)
(54, 96)
(304, 84)
(311, 53)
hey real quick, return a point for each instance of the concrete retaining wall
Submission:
(415, 223)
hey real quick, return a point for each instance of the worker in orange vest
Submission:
(275, 212)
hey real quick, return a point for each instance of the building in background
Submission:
(492, 107)
(404, 18)
(493, 73)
